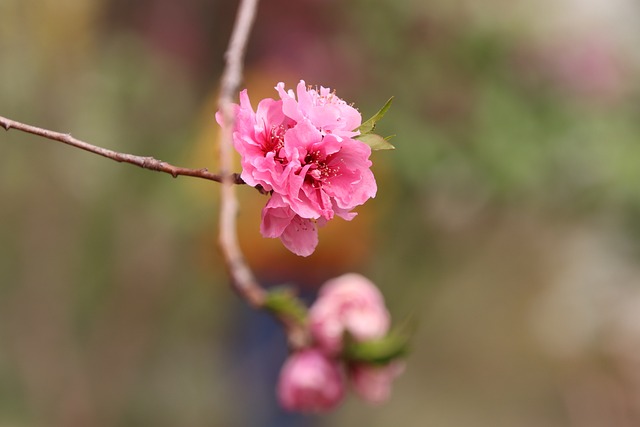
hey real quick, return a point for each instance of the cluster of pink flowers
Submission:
(303, 151)
(313, 380)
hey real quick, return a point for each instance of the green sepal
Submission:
(282, 301)
(376, 142)
(379, 352)
(369, 125)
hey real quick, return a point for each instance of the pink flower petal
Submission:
(301, 236)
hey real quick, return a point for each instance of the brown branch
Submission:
(244, 282)
(142, 161)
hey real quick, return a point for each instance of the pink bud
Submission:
(310, 382)
(348, 303)
(373, 382)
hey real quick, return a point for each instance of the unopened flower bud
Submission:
(349, 303)
(373, 382)
(310, 382)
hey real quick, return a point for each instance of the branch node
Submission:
(151, 163)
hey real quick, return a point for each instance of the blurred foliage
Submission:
(512, 198)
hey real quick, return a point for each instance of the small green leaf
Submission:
(369, 125)
(376, 142)
(380, 351)
(282, 301)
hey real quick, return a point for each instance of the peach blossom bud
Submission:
(373, 382)
(310, 382)
(348, 303)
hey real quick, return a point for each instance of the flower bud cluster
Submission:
(314, 379)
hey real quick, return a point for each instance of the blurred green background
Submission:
(507, 221)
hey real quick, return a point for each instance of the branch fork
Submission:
(242, 278)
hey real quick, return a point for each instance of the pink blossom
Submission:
(373, 382)
(310, 382)
(349, 303)
(303, 151)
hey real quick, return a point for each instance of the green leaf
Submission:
(282, 301)
(376, 142)
(380, 351)
(369, 125)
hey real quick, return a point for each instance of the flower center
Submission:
(319, 170)
(274, 142)
(324, 96)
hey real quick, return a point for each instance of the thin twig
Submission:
(142, 161)
(244, 282)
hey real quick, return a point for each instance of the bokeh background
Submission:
(507, 224)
